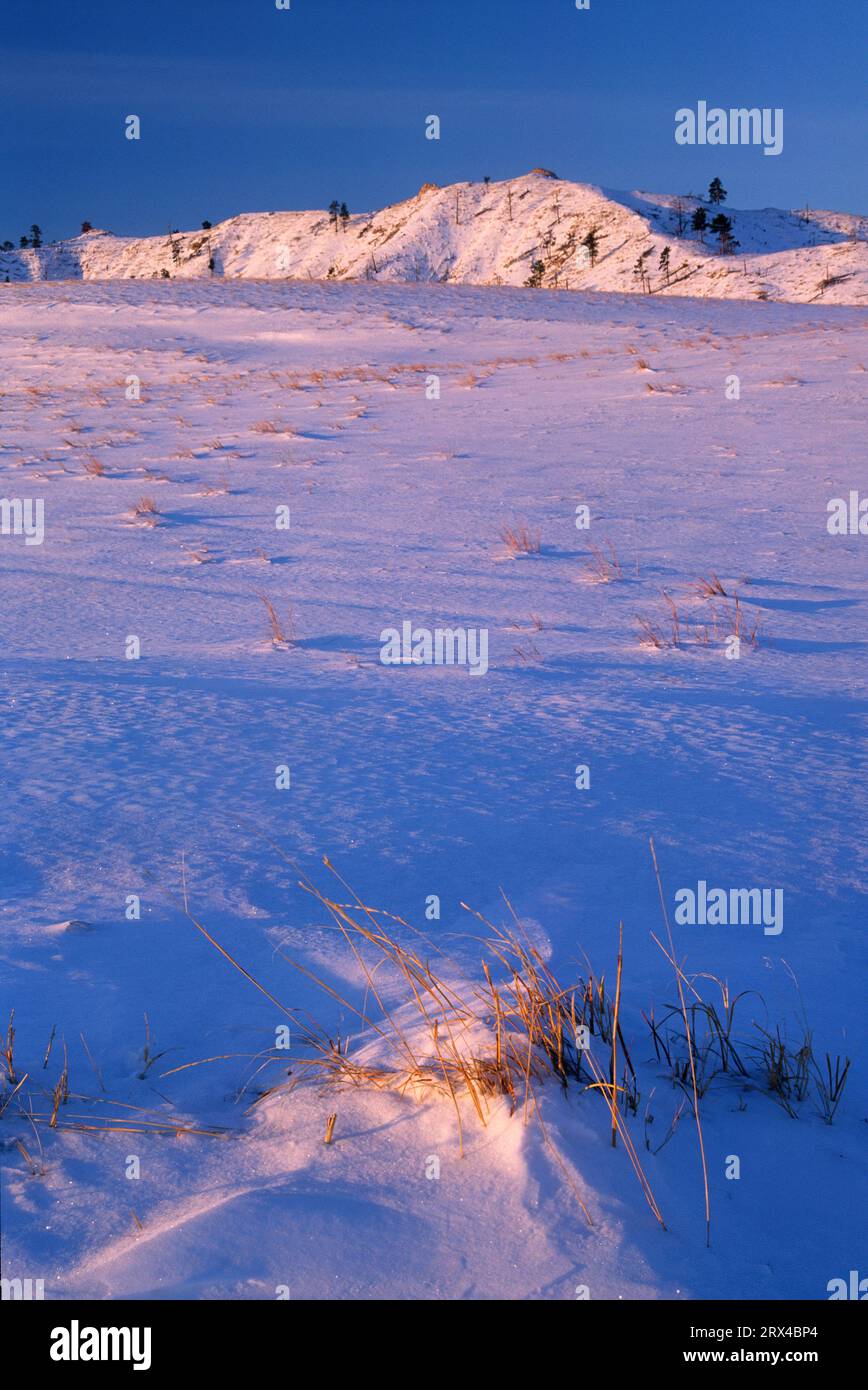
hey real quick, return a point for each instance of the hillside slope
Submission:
(476, 233)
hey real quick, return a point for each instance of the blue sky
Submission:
(244, 107)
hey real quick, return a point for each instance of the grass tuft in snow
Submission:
(282, 635)
(520, 540)
(604, 567)
(500, 1042)
(711, 588)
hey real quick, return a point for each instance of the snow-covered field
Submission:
(421, 780)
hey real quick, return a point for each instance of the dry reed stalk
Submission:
(279, 638)
(96, 1071)
(615, 1034)
(605, 567)
(676, 623)
(8, 1049)
(34, 1167)
(690, 1048)
(13, 1093)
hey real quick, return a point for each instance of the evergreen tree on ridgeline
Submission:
(591, 243)
(722, 228)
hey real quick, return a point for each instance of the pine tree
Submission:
(639, 270)
(23, 242)
(35, 236)
(591, 244)
(334, 213)
(7, 246)
(699, 222)
(722, 228)
(206, 226)
(86, 227)
(345, 216)
(664, 263)
(716, 192)
(534, 280)
(679, 216)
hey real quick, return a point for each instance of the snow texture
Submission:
(421, 780)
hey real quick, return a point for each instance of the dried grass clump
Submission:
(718, 623)
(146, 511)
(711, 588)
(604, 567)
(202, 556)
(789, 1071)
(520, 540)
(46, 1105)
(650, 635)
(282, 633)
(517, 1029)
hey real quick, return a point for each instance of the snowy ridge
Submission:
(492, 234)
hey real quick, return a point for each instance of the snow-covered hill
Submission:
(477, 233)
